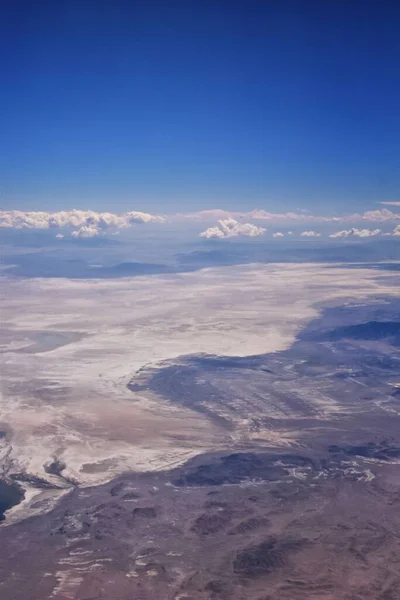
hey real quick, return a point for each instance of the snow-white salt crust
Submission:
(72, 403)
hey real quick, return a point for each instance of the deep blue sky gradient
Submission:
(171, 105)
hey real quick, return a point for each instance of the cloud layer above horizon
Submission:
(88, 223)
(378, 215)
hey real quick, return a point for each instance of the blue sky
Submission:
(186, 105)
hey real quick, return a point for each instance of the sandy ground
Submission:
(65, 396)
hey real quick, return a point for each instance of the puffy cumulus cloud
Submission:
(75, 219)
(396, 231)
(226, 228)
(19, 219)
(354, 232)
(86, 231)
(140, 217)
(339, 234)
(213, 232)
(380, 215)
(310, 234)
(278, 234)
(366, 232)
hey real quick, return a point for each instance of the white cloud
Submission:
(226, 228)
(380, 215)
(354, 232)
(396, 230)
(140, 217)
(59, 236)
(301, 215)
(213, 232)
(101, 221)
(390, 203)
(310, 234)
(367, 232)
(278, 234)
(256, 214)
(210, 214)
(108, 221)
(264, 215)
(86, 231)
(339, 234)
(28, 219)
